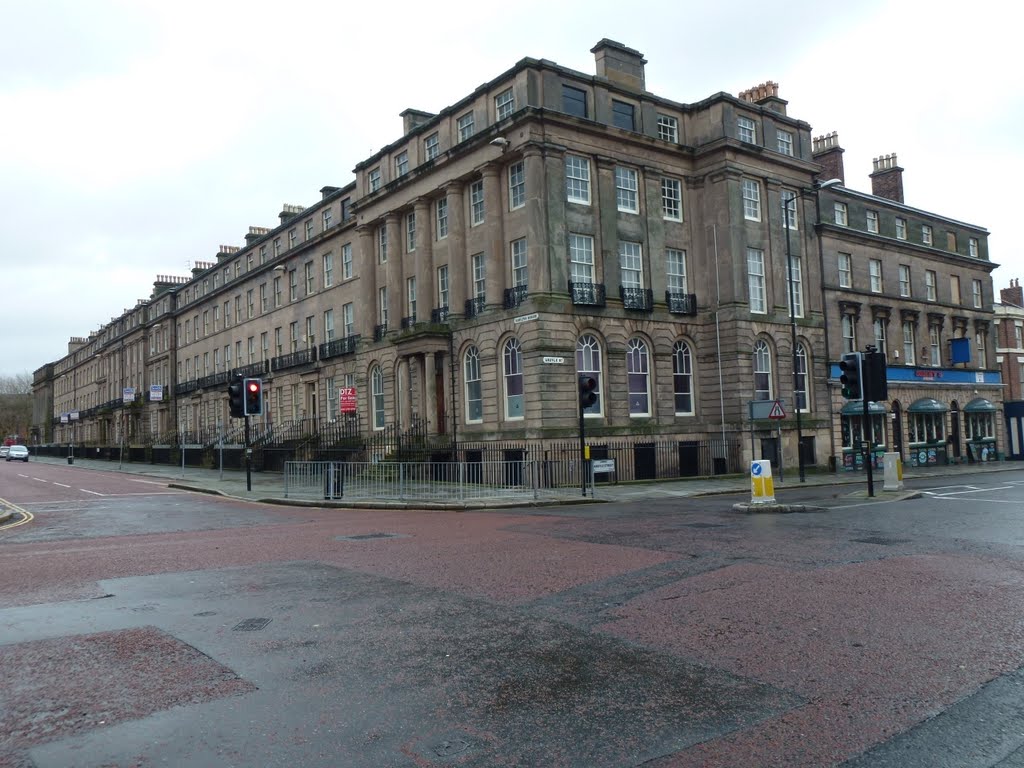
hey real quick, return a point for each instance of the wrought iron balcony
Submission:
(293, 359)
(515, 296)
(213, 380)
(252, 369)
(637, 298)
(591, 294)
(380, 331)
(439, 315)
(338, 347)
(475, 306)
(681, 303)
(186, 386)
(408, 322)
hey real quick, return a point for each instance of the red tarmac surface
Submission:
(871, 642)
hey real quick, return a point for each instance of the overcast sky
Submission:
(136, 137)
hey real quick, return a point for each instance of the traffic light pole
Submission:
(865, 387)
(583, 453)
(248, 456)
(869, 454)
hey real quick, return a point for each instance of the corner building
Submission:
(550, 224)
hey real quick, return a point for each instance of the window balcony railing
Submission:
(681, 303)
(213, 380)
(475, 306)
(637, 298)
(590, 294)
(515, 296)
(408, 322)
(252, 370)
(339, 347)
(185, 387)
(380, 331)
(439, 315)
(293, 359)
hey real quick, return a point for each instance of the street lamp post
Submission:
(786, 201)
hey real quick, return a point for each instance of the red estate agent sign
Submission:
(347, 395)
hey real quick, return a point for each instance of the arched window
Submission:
(638, 378)
(762, 371)
(682, 378)
(588, 363)
(801, 377)
(513, 362)
(377, 393)
(474, 397)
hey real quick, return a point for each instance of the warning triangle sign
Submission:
(777, 412)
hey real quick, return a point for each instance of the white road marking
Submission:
(149, 482)
(94, 493)
(40, 480)
(62, 485)
(969, 489)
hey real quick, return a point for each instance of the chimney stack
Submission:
(255, 233)
(620, 64)
(829, 155)
(289, 212)
(1014, 295)
(887, 178)
(413, 119)
(765, 95)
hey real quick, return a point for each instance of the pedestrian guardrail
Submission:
(444, 482)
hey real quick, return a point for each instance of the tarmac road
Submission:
(159, 627)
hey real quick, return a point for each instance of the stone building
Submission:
(551, 224)
(1010, 357)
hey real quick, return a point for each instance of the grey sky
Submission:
(136, 137)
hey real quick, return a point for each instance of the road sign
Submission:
(762, 409)
(347, 396)
(777, 411)
(603, 465)
(556, 360)
(525, 318)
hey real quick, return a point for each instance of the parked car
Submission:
(3, 450)
(17, 453)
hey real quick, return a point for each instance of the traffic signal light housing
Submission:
(587, 394)
(236, 398)
(875, 385)
(253, 397)
(851, 366)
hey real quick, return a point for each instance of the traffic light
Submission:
(587, 394)
(236, 398)
(876, 388)
(253, 397)
(851, 367)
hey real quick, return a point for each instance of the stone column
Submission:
(426, 294)
(538, 247)
(494, 216)
(366, 267)
(458, 262)
(394, 272)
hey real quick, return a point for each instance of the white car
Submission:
(3, 451)
(17, 453)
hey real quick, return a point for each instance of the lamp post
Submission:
(786, 201)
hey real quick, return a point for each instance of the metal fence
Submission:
(447, 482)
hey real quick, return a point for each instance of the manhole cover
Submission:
(366, 536)
(250, 625)
(451, 747)
(882, 540)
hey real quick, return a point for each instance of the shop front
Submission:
(852, 423)
(980, 430)
(926, 433)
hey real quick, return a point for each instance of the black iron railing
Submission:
(439, 315)
(338, 347)
(252, 370)
(637, 298)
(591, 294)
(475, 306)
(514, 296)
(681, 303)
(408, 322)
(380, 331)
(213, 380)
(183, 388)
(293, 359)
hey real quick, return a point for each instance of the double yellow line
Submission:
(9, 510)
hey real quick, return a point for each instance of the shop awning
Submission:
(927, 405)
(856, 408)
(979, 405)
